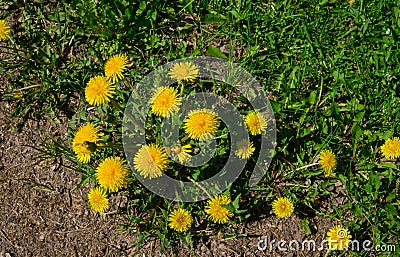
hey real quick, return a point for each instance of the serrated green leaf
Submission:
(236, 202)
(216, 52)
(312, 98)
(305, 226)
(275, 106)
(359, 116)
(375, 181)
(213, 19)
(142, 7)
(391, 196)
(356, 132)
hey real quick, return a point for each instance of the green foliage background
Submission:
(331, 70)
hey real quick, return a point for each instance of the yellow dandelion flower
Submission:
(98, 90)
(328, 162)
(283, 207)
(4, 29)
(151, 160)
(165, 101)
(184, 71)
(391, 148)
(98, 199)
(112, 173)
(87, 133)
(182, 152)
(338, 238)
(216, 212)
(201, 124)
(256, 123)
(244, 149)
(114, 67)
(180, 220)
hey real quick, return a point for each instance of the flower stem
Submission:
(303, 167)
(182, 88)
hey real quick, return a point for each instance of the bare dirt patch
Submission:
(40, 215)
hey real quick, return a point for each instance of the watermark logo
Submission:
(311, 245)
(212, 70)
(341, 233)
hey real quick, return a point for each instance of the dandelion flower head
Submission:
(182, 152)
(180, 220)
(112, 173)
(87, 133)
(283, 207)
(184, 71)
(217, 213)
(328, 162)
(165, 101)
(99, 91)
(151, 160)
(4, 29)
(98, 199)
(256, 123)
(201, 124)
(391, 148)
(114, 67)
(244, 149)
(338, 238)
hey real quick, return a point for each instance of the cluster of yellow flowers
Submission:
(100, 89)
(180, 220)
(112, 173)
(152, 160)
(337, 237)
(202, 124)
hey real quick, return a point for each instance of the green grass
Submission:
(331, 71)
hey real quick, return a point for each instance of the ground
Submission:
(43, 214)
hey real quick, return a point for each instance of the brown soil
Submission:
(40, 215)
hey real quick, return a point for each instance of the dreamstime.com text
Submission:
(311, 245)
